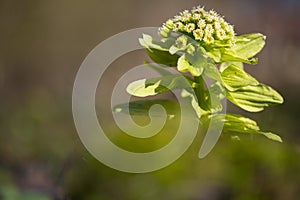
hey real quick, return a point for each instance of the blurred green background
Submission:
(42, 45)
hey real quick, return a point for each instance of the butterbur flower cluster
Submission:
(206, 27)
(202, 46)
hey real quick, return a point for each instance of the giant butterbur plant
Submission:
(201, 44)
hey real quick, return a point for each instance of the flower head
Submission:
(201, 24)
(198, 34)
(178, 26)
(206, 27)
(189, 27)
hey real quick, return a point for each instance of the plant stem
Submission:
(199, 91)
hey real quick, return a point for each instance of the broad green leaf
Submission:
(142, 107)
(184, 65)
(234, 78)
(153, 86)
(254, 98)
(163, 57)
(239, 124)
(214, 54)
(224, 65)
(249, 45)
(230, 55)
(245, 47)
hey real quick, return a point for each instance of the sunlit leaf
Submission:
(224, 65)
(153, 86)
(194, 102)
(215, 93)
(184, 65)
(142, 107)
(214, 54)
(211, 71)
(245, 47)
(234, 78)
(249, 45)
(239, 124)
(230, 55)
(140, 89)
(254, 98)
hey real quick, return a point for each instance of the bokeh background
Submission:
(42, 44)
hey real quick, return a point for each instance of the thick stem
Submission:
(199, 90)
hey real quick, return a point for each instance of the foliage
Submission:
(201, 44)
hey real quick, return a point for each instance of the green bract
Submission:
(202, 44)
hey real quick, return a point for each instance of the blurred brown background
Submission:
(42, 45)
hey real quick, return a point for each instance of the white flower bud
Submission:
(198, 34)
(189, 27)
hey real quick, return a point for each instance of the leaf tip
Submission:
(273, 136)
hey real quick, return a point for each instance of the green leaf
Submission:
(249, 45)
(214, 54)
(142, 107)
(230, 55)
(211, 103)
(234, 78)
(194, 102)
(215, 93)
(158, 51)
(245, 47)
(163, 57)
(211, 71)
(147, 42)
(180, 44)
(239, 124)
(197, 63)
(184, 65)
(173, 50)
(153, 86)
(139, 88)
(224, 65)
(272, 136)
(254, 98)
